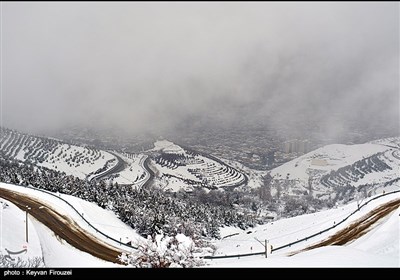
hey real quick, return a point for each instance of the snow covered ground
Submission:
(134, 172)
(378, 163)
(379, 247)
(255, 176)
(54, 154)
(329, 256)
(57, 252)
(392, 142)
(392, 159)
(13, 234)
(167, 147)
(176, 167)
(327, 158)
(82, 170)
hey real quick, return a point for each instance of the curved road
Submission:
(63, 226)
(115, 169)
(149, 171)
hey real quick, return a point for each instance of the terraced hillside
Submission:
(339, 172)
(181, 168)
(356, 171)
(74, 160)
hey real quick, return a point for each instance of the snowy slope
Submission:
(54, 154)
(181, 169)
(379, 247)
(13, 234)
(84, 168)
(327, 158)
(338, 169)
(104, 220)
(167, 147)
(134, 171)
(60, 253)
(42, 242)
(255, 176)
(330, 256)
(391, 142)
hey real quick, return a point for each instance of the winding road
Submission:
(120, 166)
(149, 171)
(63, 226)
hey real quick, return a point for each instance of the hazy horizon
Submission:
(142, 67)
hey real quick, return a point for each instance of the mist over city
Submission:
(157, 67)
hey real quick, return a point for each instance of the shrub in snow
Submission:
(295, 207)
(161, 251)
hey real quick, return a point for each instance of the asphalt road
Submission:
(63, 226)
(149, 171)
(117, 168)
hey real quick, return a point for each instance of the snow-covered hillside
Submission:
(55, 251)
(133, 173)
(327, 158)
(379, 247)
(390, 142)
(167, 147)
(339, 168)
(13, 233)
(42, 243)
(178, 169)
(73, 160)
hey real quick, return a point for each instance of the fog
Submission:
(140, 67)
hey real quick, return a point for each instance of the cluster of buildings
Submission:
(296, 146)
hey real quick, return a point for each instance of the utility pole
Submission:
(26, 226)
(266, 251)
(1, 233)
(26, 222)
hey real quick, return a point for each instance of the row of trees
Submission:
(352, 173)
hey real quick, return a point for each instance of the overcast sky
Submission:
(153, 66)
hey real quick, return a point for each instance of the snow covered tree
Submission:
(161, 251)
(295, 207)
